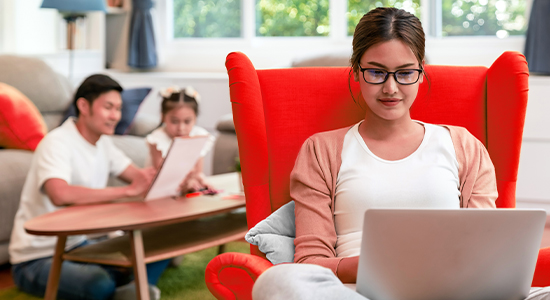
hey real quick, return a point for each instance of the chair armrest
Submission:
(231, 275)
(542, 270)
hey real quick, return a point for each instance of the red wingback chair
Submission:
(276, 110)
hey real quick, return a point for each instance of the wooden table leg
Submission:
(55, 269)
(138, 261)
(221, 249)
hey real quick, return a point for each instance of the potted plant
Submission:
(238, 169)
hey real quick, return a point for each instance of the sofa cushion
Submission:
(323, 59)
(131, 100)
(275, 235)
(48, 90)
(21, 125)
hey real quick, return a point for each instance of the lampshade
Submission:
(75, 6)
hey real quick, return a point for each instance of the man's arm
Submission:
(132, 173)
(61, 193)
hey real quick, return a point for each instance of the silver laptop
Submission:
(460, 254)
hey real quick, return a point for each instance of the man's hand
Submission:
(141, 180)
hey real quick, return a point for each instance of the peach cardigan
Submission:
(313, 182)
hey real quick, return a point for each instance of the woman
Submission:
(386, 160)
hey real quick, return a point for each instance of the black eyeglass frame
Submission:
(420, 71)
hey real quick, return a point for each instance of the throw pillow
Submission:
(131, 100)
(275, 235)
(21, 124)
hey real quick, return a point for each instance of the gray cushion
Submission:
(49, 91)
(332, 59)
(275, 235)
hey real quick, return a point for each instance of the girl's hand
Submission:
(195, 182)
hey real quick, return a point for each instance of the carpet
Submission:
(184, 282)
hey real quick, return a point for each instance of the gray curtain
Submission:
(537, 43)
(142, 53)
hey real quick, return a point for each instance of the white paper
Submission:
(180, 160)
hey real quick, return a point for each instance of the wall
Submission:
(533, 189)
(20, 33)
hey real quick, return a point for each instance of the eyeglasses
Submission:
(379, 76)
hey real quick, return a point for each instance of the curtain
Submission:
(537, 43)
(142, 53)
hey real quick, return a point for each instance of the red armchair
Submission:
(276, 110)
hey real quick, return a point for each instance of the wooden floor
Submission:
(7, 282)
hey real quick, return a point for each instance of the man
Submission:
(71, 166)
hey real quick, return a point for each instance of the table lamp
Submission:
(71, 11)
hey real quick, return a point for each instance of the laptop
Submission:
(453, 254)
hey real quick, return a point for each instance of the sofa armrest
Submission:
(542, 270)
(14, 166)
(231, 275)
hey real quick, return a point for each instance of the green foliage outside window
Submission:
(292, 18)
(278, 18)
(483, 17)
(207, 18)
(357, 8)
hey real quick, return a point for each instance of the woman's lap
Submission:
(306, 281)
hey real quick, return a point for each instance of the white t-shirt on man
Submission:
(66, 155)
(428, 178)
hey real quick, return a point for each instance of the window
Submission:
(292, 18)
(284, 18)
(483, 17)
(207, 18)
(357, 8)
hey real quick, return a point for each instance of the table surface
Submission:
(97, 218)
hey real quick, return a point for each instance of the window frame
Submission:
(448, 48)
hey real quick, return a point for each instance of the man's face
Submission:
(104, 113)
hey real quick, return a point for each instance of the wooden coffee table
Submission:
(156, 230)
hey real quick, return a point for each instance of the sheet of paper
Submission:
(180, 160)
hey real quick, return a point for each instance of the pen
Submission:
(191, 195)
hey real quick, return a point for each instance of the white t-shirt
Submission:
(63, 154)
(162, 141)
(428, 178)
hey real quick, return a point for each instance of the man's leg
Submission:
(155, 269)
(301, 281)
(77, 280)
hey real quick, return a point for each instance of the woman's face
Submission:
(179, 121)
(390, 100)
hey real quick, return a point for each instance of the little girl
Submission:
(179, 110)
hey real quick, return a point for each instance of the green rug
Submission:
(185, 282)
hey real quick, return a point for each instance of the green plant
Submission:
(237, 164)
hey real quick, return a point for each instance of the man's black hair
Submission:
(93, 86)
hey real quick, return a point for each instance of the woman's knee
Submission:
(289, 280)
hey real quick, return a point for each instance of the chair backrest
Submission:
(276, 110)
